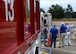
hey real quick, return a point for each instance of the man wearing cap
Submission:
(68, 35)
(62, 34)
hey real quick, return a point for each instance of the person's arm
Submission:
(66, 29)
(51, 30)
(57, 32)
(60, 29)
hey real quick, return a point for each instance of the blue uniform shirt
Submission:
(54, 31)
(63, 28)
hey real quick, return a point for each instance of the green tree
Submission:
(69, 11)
(74, 15)
(42, 10)
(57, 11)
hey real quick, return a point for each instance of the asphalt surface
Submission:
(59, 52)
(66, 50)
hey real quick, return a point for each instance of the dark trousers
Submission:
(53, 40)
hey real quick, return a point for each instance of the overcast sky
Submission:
(45, 4)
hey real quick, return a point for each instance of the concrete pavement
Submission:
(68, 49)
(65, 50)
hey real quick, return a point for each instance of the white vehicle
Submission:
(45, 19)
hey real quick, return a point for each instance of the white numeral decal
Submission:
(8, 14)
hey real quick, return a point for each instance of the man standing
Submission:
(45, 31)
(68, 35)
(62, 34)
(72, 31)
(54, 32)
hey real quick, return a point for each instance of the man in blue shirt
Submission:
(62, 35)
(54, 32)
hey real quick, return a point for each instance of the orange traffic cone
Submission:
(48, 42)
